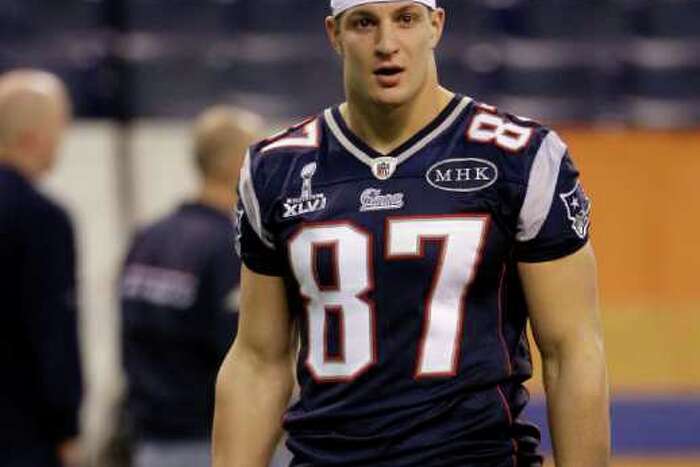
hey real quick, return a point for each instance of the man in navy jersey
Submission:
(179, 291)
(405, 237)
(40, 370)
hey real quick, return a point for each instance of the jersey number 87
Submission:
(461, 239)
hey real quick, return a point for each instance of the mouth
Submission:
(389, 75)
(388, 71)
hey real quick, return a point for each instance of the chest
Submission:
(440, 193)
(418, 228)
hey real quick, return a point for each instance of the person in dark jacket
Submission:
(178, 292)
(41, 383)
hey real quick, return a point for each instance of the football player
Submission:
(406, 236)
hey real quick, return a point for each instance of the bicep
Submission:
(265, 325)
(562, 299)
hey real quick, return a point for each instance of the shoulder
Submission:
(269, 160)
(44, 225)
(302, 136)
(513, 134)
(48, 212)
(190, 227)
(154, 236)
(518, 143)
(148, 230)
(157, 230)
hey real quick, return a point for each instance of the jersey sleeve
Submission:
(555, 215)
(254, 241)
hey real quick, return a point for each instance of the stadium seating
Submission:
(204, 17)
(37, 19)
(662, 18)
(553, 59)
(283, 16)
(661, 63)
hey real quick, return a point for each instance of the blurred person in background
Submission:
(41, 387)
(409, 234)
(179, 294)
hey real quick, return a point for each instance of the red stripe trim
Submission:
(506, 353)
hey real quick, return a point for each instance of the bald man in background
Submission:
(41, 385)
(178, 295)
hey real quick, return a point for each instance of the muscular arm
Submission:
(255, 380)
(563, 302)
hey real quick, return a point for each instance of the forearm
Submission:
(578, 405)
(251, 398)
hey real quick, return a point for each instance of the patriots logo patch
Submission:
(238, 233)
(578, 209)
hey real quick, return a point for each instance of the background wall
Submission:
(646, 225)
(647, 203)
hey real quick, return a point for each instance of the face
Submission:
(50, 136)
(387, 50)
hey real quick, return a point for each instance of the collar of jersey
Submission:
(362, 151)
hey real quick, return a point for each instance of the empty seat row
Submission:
(482, 18)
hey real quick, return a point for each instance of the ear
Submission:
(28, 142)
(333, 31)
(437, 24)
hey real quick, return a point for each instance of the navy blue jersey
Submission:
(401, 271)
(40, 373)
(179, 307)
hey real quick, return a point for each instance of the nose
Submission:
(386, 42)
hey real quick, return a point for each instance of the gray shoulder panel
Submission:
(250, 201)
(540, 187)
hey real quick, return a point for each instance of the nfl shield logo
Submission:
(578, 209)
(383, 167)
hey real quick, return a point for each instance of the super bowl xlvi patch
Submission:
(308, 201)
(463, 174)
(578, 209)
(372, 199)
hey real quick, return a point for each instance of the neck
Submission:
(220, 196)
(385, 128)
(19, 164)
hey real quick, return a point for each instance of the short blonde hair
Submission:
(220, 129)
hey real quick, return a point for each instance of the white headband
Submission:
(339, 6)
